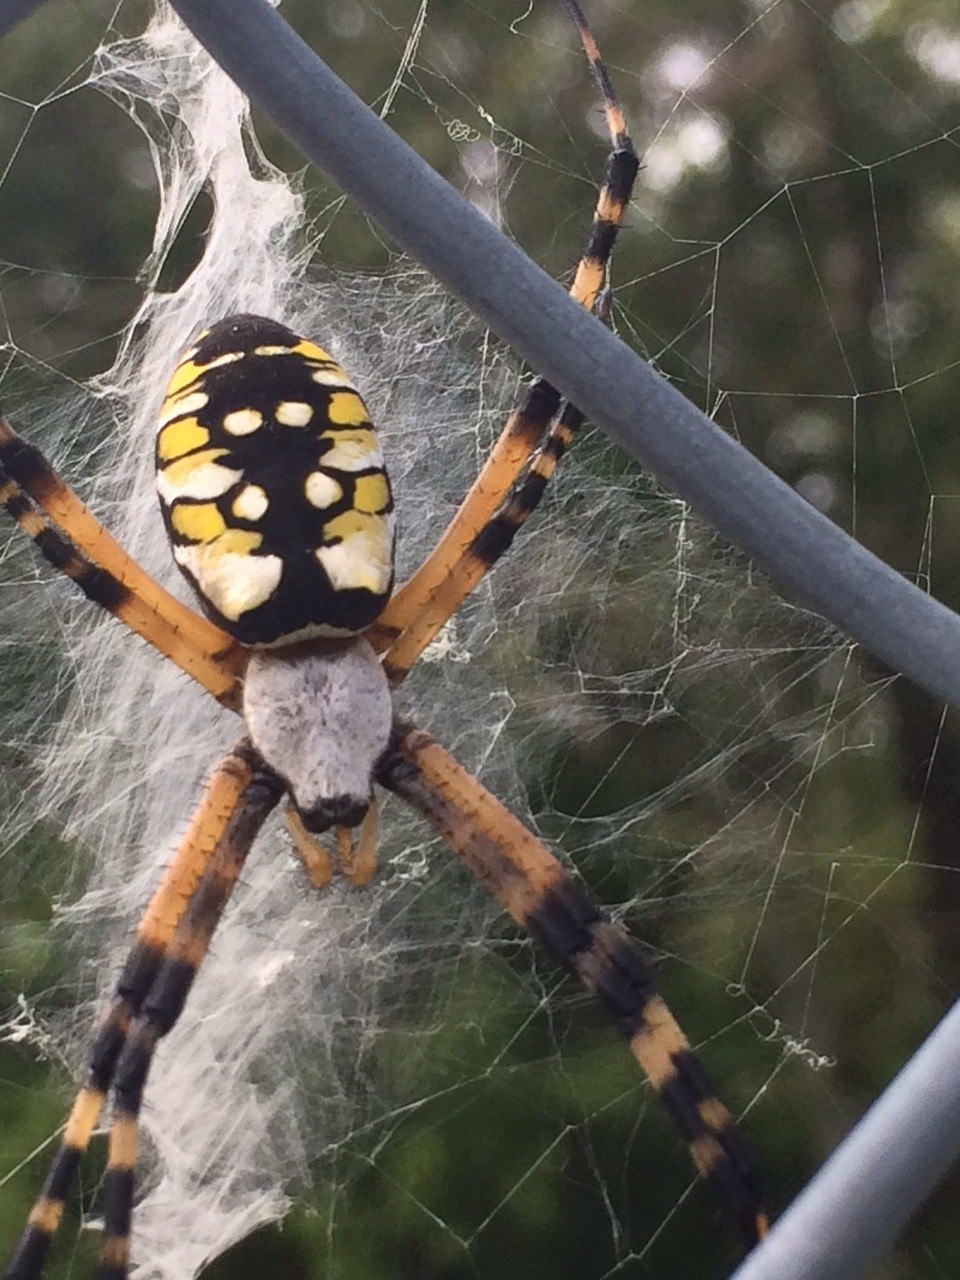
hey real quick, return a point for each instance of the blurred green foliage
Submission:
(825, 336)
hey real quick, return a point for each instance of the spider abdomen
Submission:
(272, 486)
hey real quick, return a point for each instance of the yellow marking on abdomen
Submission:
(189, 371)
(346, 409)
(351, 523)
(200, 522)
(238, 542)
(352, 451)
(178, 406)
(185, 373)
(310, 351)
(234, 582)
(361, 561)
(197, 476)
(371, 494)
(180, 437)
(332, 376)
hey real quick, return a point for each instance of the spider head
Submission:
(336, 811)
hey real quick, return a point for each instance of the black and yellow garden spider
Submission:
(279, 511)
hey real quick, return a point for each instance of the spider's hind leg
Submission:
(168, 993)
(154, 937)
(532, 886)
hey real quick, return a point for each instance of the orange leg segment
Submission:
(36, 497)
(538, 893)
(509, 455)
(450, 573)
(187, 947)
(155, 934)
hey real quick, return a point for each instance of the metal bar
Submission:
(876, 1178)
(813, 560)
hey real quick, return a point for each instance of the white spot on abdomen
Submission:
(250, 503)
(234, 584)
(242, 422)
(293, 413)
(209, 480)
(322, 491)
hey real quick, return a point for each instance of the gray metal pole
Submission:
(808, 555)
(859, 1200)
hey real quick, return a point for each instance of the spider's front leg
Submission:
(72, 540)
(534, 439)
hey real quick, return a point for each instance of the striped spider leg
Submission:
(171, 941)
(39, 501)
(168, 993)
(532, 887)
(498, 504)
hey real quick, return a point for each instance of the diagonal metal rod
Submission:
(807, 555)
(861, 1197)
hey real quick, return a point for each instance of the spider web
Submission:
(758, 802)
